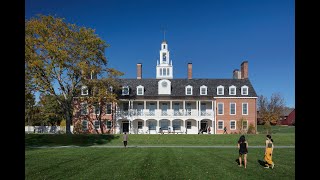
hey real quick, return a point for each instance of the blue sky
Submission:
(215, 36)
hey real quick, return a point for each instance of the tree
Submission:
(270, 111)
(57, 57)
(51, 111)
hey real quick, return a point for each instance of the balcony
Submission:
(146, 113)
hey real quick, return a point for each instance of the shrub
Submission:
(251, 129)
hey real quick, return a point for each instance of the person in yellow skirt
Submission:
(269, 152)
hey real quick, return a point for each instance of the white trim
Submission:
(222, 90)
(242, 87)
(235, 108)
(247, 108)
(235, 90)
(95, 108)
(142, 90)
(222, 108)
(235, 124)
(186, 89)
(206, 90)
(218, 124)
(236, 97)
(247, 124)
(107, 107)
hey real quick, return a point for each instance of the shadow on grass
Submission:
(33, 140)
(238, 162)
(262, 163)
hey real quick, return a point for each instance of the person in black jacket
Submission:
(243, 150)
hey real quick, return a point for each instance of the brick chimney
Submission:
(189, 70)
(139, 71)
(236, 74)
(244, 70)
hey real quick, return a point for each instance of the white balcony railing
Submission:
(158, 112)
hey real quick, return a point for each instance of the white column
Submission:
(184, 108)
(215, 117)
(144, 105)
(170, 105)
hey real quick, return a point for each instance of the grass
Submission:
(154, 163)
(276, 129)
(87, 162)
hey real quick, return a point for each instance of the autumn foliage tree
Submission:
(270, 111)
(57, 54)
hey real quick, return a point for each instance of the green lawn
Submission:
(276, 129)
(154, 163)
(87, 162)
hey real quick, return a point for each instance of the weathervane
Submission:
(164, 33)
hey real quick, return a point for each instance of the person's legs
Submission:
(245, 160)
(240, 160)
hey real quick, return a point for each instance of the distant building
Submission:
(188, 106)
(288, 117)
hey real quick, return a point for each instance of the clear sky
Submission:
(216, 36)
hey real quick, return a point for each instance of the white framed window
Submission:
(140, 90)
(220, 124)
(84, 125)
(168, 72)
(96, 124)
(245, 125)
(164, 71)
(125, 90)
(188, 90)
(140, 124)
(244, 90)
(244, 108)
(220, 108)
(97, 109)
(84, 108)
(232, 108)
(220, 90)
(108, 124)
(84, 90)
(203, 90)
(232, 90)
(108, 108)
(160, 71)
(233, 124)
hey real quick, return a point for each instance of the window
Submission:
(160, 71)
(244, 90)
(232, 108)
(176, 125)
(139, 124)
(97, 109)
(233, 125)
(203, 90)
(152, 125)
(188, 90)
(168, 71)
(140, 90)
(109, 124)
(96, 124)
(220, 108)
(245, 125)
(84, 109)
(188, 124)
(244, 108)
(232, 90)
(220, 90)
(84, 90)
(125, 90)
(84, 125)
(109, 108)
(164, 71)
(220, 124)
(164, 46)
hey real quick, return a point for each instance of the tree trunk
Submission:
(68, 122)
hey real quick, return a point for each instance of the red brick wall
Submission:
(91, 117)
(226, 117)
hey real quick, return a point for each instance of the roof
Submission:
(287, 111)
(178, 87)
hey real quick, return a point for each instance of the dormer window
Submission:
(188, 90)
(244, 90)
(220, 90)
(84, 90)
(125, 90)
(203, 90)
(140, 90)
(232, 90)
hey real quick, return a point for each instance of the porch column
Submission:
(144, 105)
(184, 108)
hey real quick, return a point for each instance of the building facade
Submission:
(168, 105)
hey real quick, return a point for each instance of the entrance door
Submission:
(204, 126)
(125, 127)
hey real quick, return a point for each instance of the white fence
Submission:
(46, 129)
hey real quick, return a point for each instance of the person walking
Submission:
(243, 150)
(225, 130)
(269, 152)
(125, 139)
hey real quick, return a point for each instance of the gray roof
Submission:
(178, 87)
(287, 111)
